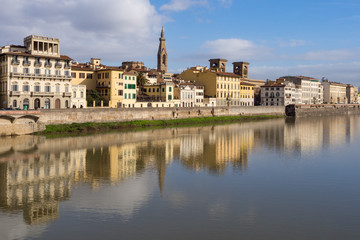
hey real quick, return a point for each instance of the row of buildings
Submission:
(306, 90)
(36, 75)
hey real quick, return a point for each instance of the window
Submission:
(26, 70)
(57, 72)
(66, 88)
(163, 90)
(37, 71)
(134, 96)
(169, 89)
(26, 88)
(57, 88)
(157, 90)
(15, 103)
(74, 94)
(82, 94)
(120, 76)
(37, 88)
(120, 92)
(126, 86)
(89, 76)
(47, 71)
(125, 96)
(125, 77)
(153, 89)
(81, 75)
(47, 88)
(14, 69)
(14, 87)
(99, 75)
(73, 75)
(169, 97)
(106, 75)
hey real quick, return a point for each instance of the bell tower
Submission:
(242, 69)
(218, 64)
(162, 54)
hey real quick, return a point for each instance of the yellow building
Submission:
(219, 84)
(246, 94)
(116, 86)
(163, 92)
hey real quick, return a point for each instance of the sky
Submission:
(314, 38)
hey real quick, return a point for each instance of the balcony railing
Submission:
(14, 93)
(37, 64)
(31, 75)
(15, 62)
(103, 86)
(44, 94)
(58, 65)
(67, 94)
(48, 64)
(26, 63)
(67, 66)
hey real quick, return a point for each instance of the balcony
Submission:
(15, 62)
(14, 93)
(49, 65)
(37, 64)
(103, 86)
(58, 65)
(67, 66)
(26, 63)
(67, 94)
(42, 94)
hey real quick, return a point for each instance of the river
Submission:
(272, 179)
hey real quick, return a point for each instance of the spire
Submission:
(162, 32)
(162, 53)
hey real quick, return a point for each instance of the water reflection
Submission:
(37, 173)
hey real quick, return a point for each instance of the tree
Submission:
(141, 81)
(92, 95)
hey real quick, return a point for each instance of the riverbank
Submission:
(91, 127)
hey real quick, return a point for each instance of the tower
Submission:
(218, 64)
(242, 69)
(162, 54)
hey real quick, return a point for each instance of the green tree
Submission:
(141, 81)
(93, 95)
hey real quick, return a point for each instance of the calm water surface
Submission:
(276, 179)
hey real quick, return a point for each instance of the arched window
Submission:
(14, 104)
(272, 94)
(277, 94)
(66, 103)
(26, 104)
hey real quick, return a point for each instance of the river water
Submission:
(273, 179)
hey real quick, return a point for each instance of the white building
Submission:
(280, 94)
(311, 88)
(191, 94)
(78, 96)
(35, 75)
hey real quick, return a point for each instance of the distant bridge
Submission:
(18, 122)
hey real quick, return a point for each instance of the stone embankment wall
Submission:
(322, 110)
(68, 116)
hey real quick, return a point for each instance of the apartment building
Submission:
(191, 94)
(35, 75)
(334, 92)
(311, 88)
(280, 94)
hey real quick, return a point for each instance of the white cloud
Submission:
(331, 55)
(236, 49)
(226, 3)
(110, 29)
(181, 5)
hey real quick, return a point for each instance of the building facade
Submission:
(78, 96)
(334, 92)
(35, 75)
(280, 94)
(191, 95)
(311, 88)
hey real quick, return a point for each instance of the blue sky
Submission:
(314, 38)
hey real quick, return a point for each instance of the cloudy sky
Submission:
(318, 38)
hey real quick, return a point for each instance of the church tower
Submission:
(162, 54)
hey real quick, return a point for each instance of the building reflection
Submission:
(36, 173)
(36, 184)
